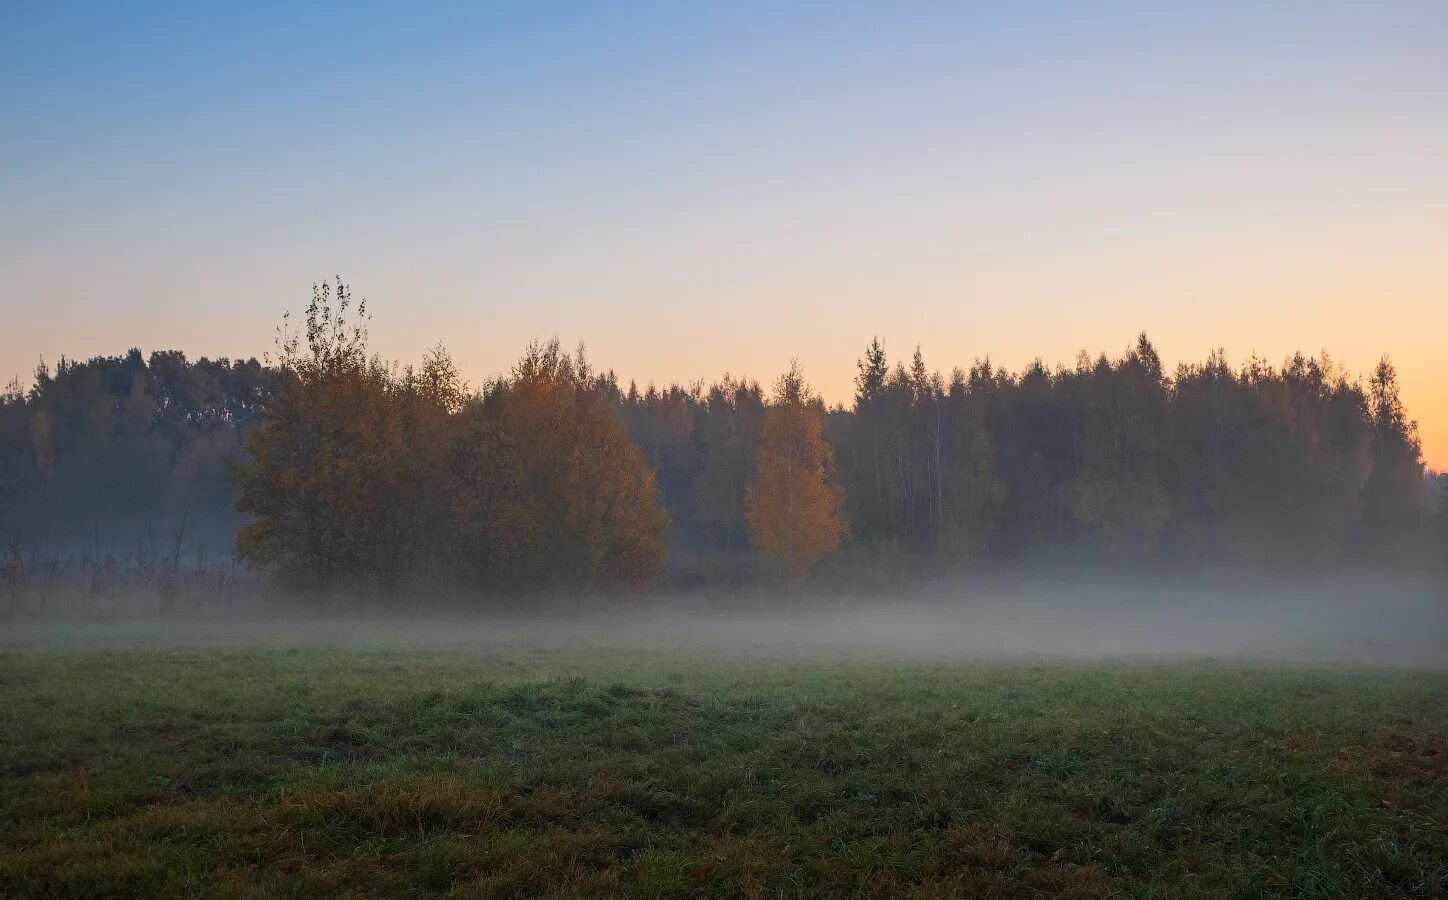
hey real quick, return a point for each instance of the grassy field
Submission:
(510, 768)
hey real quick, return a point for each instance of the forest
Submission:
(325, 467)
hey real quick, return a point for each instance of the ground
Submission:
(499, 765)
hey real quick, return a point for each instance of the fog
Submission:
(1360, 620)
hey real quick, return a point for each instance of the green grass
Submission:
(507, 769)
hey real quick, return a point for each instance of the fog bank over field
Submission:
(1349, 621)
(1355, 623)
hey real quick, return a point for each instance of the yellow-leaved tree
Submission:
(792, 507)
(553, 492)
(322, 470)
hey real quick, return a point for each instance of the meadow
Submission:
(498, 762)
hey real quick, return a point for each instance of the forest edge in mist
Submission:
(325, 468)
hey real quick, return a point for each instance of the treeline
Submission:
(1109, 460)
(360, 474)
(121, 455)
(331, 468)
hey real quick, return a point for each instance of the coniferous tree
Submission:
(733, 414)
(1394, 502)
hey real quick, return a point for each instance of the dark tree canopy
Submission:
(108, 454)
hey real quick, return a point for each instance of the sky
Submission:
(694, 189)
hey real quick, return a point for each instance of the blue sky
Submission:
(693, 188)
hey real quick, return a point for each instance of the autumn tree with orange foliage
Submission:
(324, 463)
(553, 490)
(792, 507)
(359, 477)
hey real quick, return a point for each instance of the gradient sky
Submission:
(693, 189)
